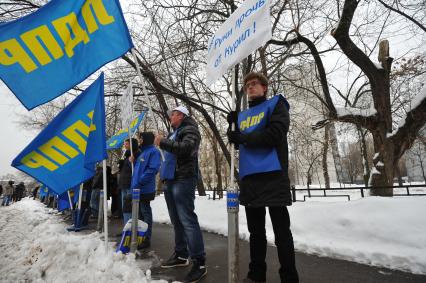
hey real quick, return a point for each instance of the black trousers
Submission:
(283, 240)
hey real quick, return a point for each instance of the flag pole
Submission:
(135, 206)
(147, 101)
(145, 95)
(78, 212)
(100, 210)
(80, 196)
(105, 204)
(233, 206)
(69, 198)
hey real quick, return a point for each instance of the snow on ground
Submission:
(36, 247)
(386, 232)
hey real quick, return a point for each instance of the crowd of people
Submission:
(260, 135)
(11, 193)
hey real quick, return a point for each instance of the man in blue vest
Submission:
(179, 173)
(261, 136)
(146, 168)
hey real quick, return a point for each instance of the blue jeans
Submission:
(180, 195)
(146, 213)
(94, 202)
(6, 200)
(126, 215)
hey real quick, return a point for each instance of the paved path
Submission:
(312, 269)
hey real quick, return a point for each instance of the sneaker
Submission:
(175, 261)
(196, 274)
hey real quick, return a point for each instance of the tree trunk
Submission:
(219, 185)
(383, 162)
(363, 146)
(398, 174)
(383, 145)
(200, 185)
(423, 169)
(324, 157)
(335, 152)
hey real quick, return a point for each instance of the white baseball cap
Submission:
(181, 109)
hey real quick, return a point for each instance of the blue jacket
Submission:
(146, 167)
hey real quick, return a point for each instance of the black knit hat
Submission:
(147, 138)
(134, 144)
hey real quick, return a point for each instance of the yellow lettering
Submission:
(122, 131)
(134, 122)
(50, 149)
(243, 125)
(254, 120)
(100, 12)
(36, 160)
(32, 40)
(72, 134)
(140, 240)
(126, 241)
(11, 52)
(63, 25)
(251, 121)
(92, 126)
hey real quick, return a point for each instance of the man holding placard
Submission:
(261, 135)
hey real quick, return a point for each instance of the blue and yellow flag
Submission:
(64, 200)
(116, 141)
(46, 53)
(65, 153)
(44, 191)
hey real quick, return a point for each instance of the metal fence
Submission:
(406, 190)
(302, 194)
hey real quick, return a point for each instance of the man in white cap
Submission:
(179, 174)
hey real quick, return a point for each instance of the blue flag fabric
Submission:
(65, 153)
(46, 53)
(116, 141)
(64, 200)
(44, 191)
(75, 193)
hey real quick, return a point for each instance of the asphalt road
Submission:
(312, 269)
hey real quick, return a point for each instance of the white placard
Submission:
(248, 28)
(126, 106)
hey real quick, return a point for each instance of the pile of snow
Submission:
(36, 247)
(386, 232)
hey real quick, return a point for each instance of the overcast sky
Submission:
(12, 138)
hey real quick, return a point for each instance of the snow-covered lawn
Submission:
(387, 232)
(35, 247)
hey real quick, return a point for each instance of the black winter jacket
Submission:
(269, 188)
(185, 147)
(125, 167)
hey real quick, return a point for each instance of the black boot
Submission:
(175, 261)
(198, 271)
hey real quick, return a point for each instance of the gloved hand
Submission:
(232, 117)
(236, 137)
